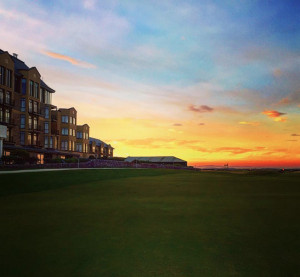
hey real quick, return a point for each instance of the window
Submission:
(78, 147)
(31, 88)
(24, 83)
(1, 95)
(65, 131)
(36, 90)
(30, 122)
(8, 134)
(23, 104)
(46, 127)
(2, 75)
(41, 95)
(74, 133)
(30, 106)
(34, 137)
(47, 112)
(46, 142)
(51, 142)
(1, 114)
(8, 78)
(64, 119)
(29, 138)
(79, 135)
(7, 116)
(70, 145)
(22, 138)
(35, 106)
(71, 132)
(74, 120)
(8, 97)
(35, 123)
(48, 97)
(22, 121)
(64, 145)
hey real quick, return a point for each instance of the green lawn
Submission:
(149, 223)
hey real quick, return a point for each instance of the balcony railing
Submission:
(7, 121)
(35, 111)
(6, 102)
(36, 144)
(9, 141)
(37, 128)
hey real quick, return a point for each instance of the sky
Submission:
(211, 82)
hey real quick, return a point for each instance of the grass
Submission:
(149, 223)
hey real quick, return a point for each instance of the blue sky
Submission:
(160, 57)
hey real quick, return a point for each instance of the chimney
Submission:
(15, 55)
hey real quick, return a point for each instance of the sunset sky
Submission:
(210, 82)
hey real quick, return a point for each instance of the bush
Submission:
(71, 160)
(53, 161)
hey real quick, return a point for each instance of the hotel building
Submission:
(36, 125)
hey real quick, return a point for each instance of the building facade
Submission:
(33, 123)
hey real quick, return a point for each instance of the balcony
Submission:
(9, 103)
(36, 144)
(35, 128)
(35, 111)
(7, 121)
(9, 141)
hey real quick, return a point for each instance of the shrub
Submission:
(71, 160)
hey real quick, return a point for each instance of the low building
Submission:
(164, 160)
(100, 149)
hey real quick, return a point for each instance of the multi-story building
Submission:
(82, 139)
(33, 122)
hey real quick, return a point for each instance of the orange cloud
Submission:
(275, 115)
(68, 59)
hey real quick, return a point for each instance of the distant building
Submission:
(100, 149)
(164, 160)
(33, 123)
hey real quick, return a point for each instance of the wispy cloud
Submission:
(277, 72)
(284, 101)
(295, 135)
(252, 123)
(89, 4)
(69, 59)
(177, 124)
(200, 109)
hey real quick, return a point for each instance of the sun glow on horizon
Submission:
(193, 80)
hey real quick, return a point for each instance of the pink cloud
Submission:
(68, 59)
(201, 109)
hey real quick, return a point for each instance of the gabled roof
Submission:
(156, 159)
(44, 85)
(20, 65)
